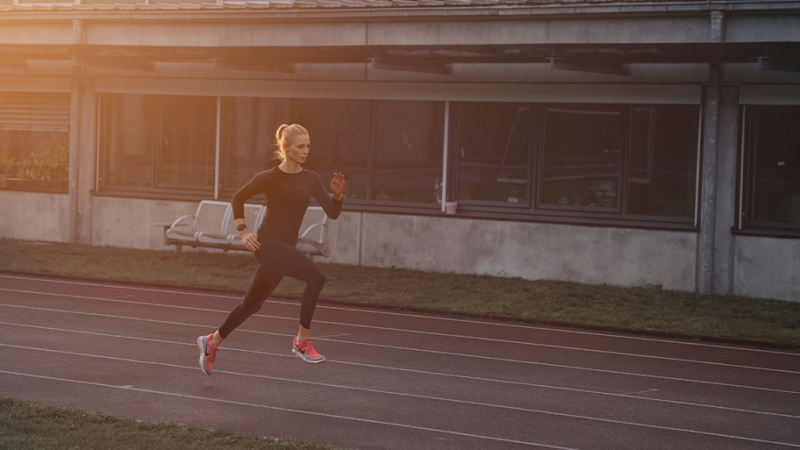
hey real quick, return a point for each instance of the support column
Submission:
(708, 182)
(726, 190)
(74, 136)
(87, 159)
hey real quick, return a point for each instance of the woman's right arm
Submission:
(256, 185)
(253, 187)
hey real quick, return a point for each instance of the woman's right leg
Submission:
(265, 280)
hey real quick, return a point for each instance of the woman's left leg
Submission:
(294, 264)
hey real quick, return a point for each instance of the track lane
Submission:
(408, 370)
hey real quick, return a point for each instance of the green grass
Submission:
(645, 308)
(26, 426)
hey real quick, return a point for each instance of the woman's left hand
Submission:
(337, 186)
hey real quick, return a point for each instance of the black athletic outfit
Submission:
(288, 196)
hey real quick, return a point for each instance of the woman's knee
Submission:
(318, 278)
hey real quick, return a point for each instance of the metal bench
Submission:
(212, 226)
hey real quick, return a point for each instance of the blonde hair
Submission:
(286, 135)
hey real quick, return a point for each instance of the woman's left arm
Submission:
(331, 206)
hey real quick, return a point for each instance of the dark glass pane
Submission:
(663, 167)
(409, 139)
(340, 132)
(492, 151)
(130, 123)
(249, 137)
(582, 156)
(188, 141)
(775, 171)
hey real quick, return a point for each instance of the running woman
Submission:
(288, 189)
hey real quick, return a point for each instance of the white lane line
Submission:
(422, 316)
(276, 408)
(429, 333)
(463, 355)
(631, 396)
(423, 397)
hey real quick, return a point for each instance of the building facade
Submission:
(625, 143)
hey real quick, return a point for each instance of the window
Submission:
(663, 161)
(603, 163)
(162, 142)
(772, 167)
(409, 140)
(582, 156)
(341, 141)
(248, 136)
(187, 141)
(493, 151)
(34, 141)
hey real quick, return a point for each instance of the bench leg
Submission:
(178, 248)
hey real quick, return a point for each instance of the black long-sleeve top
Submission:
(288, 196)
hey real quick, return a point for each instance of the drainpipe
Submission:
(713, 97)
(74, 134)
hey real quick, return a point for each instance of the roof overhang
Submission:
(416, 54)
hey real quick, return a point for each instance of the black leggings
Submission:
(277, 259)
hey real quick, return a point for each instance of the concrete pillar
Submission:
(708, 182)
(725, 201)
(87, 164)
(74, 136)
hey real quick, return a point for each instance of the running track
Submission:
(392, 380)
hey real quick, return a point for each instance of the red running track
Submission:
(392, 380)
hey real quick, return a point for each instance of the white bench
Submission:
(212, 226)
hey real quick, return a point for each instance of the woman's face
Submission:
(297, 150)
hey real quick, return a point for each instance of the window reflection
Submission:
(774, 172)
(340, 141)
(409, 140)
(492, 151)
(582, 156)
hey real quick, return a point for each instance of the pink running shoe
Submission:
(207, 353)
(305, 351)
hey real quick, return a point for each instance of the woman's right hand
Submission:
(250, 241)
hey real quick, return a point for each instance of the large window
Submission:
(582, 156)
(341, 132)
(493, 148)
(663, 160)
(614, 163)
(584, 161)
(163, 142)
(409, 144)
(771, 187)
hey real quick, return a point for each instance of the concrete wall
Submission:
(32, 216)
(763, 267)
(135, 223)
(767, 267)
(584, 254)
(514, 249)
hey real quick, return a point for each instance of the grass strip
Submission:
(644, 308)
(28, 426)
